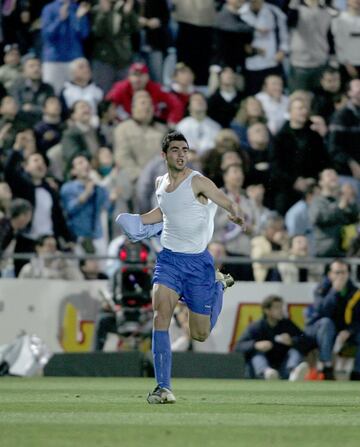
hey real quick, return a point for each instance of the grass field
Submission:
(62, 412)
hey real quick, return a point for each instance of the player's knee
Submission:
(161, 320)
(199, 335)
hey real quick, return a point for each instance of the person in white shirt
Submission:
(199, 129)
(274, 102)
(270, 42)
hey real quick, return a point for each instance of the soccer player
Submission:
(184, 268)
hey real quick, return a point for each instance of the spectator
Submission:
(232, 36)
(90, 268)
(167, 107)
(310, 22)
(329, 212)
(49, 130)
(218, 252)
(182, 85)
(11, 70)
(12, 122)
(270, 42)
(297, 158)
(108, 122)
(237, 242)
(274, 102)
(256, 194)
(305, 272)
(335, 318)
(274, 346)
(48, 264)
(65, 26)
(18, 218)
(344, 138)
(272, 243)
(326, 96)
(15, 23)
(297, 219)
(200, 130)
(138, 139)
(154, 20)
(195, 20)
(5, 199)
(80, 138)
(83, 201)
(224, 103)
(345, 28)
(113, 25)
(30, 92)
(259, 158)
(117, 183)
(227, 146)
(27, 179)
(251, 111)
(81, 87)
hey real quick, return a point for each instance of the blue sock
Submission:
(217, 304)
(161, 350)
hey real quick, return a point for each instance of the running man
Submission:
(184, 268)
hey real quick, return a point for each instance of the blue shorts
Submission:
(191, 276)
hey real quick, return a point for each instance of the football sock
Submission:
(161, 350)
(217, 304)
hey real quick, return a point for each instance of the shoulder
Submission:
(158, 180)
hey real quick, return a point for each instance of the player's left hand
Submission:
(238, 220)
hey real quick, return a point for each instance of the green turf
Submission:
(63, 412)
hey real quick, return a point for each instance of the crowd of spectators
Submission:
(267, 94)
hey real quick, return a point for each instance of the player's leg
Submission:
(164, 302)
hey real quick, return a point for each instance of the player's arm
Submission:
(204, 186)
(152, 217)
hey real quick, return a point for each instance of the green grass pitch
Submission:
(106, 412)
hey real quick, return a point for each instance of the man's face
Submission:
(81, 167)
(8, 106)
(329, 180)
(52, 107)
(32, 69)
(234, 177)
(300, 246)
(256, 5)
(274, 86)
(36, 166)
(330, 82)
(48, 247)
(276, 311)
(23, 220)
(12, 57)
(82, 71)
(177, 155)
(5, 192)
(299, 112)
(142, 108)
(138, 80)
(197, 104)
(227, 77)
(82, 113)
(339, 272)
(258, 135)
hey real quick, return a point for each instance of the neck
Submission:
(329, 192)
(81, 82)
(311, 3)
(52, 119)
(296, 124)
(227, 88)
(176, 175)
(36, 180)
(233, 189)
(272, 322)
(231, 9)
(199, 116)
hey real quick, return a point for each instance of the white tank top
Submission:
(188, 224)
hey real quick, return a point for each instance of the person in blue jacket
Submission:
(65, 26)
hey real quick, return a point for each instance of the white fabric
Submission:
(275, 111)
(188, 224)
(56, 74)
(199, 134)
(42, 220)
(346, 31)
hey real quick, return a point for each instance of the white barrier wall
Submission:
(62, 313)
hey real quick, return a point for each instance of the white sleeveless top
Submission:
(188, 224)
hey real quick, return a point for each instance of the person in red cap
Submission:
(168, 108)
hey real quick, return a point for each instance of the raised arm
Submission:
(204, 186)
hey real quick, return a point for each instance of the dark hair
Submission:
(41, 239)
(269, 301)
(340, 261)
(330, 70)
(103, 107)
(19, 207)
(173, 135)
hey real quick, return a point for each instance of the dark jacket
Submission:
(112, 40)
(157, 39)
(343, 308)
(223, 111)
(6, 233)
(344, 138)
(328, 220)
(22, 187)
(261, 330)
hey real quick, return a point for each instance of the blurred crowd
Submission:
(267, 94)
